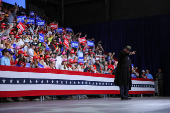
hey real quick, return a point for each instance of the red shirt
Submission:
(111, 67)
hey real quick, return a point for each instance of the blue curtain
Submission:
(147, 36)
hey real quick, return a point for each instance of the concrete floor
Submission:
(103, 105)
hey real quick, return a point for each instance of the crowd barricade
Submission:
(20, 81)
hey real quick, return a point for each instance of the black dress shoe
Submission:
(129, 98)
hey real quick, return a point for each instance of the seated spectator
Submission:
(5, 60)
(148, 75)
(143, 74)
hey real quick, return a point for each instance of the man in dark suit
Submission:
(123, 72)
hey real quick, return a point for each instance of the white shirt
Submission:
(30, 52)
(58, 62)
(62, 67)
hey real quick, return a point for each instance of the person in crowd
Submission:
(143, 74)
(41, 63)
(134, 73)
(5, 60)
(36, 61)
(64, 65)
(52, 63)
(47, 60)
(80, 67)
(21, 60)
(110, 66)
(97, 66)
(160, 78)
(148, 75)
(71, 56)
(30, 51)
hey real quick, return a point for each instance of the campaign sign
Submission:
(27, 65)
(20, 18)
(40, 65)
(74, 44)
(1, 53)
(53, 26)
(59, 30)
(32, 13)
(38, 17)
(69, 29)
(41, 37)
(31, 20)
(132, 65)
(13, 45)
(81, 59)
(40, 22)
(90, 43)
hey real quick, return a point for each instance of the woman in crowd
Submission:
(64, 65)
(47, 60)
(52, 63)
(81, 67)
(35, 63)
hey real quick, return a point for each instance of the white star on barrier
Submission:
(70, 82)
(57, 81)
(42, 81)
(24, 81)
(74, 82)
(61, 82)
(47, 81)
(66, 82)
(18, 81)
(52, 81)
(11, 81)
(78, 82)
(82, 82)
(30, 81)
(3, 80)
(36, 81)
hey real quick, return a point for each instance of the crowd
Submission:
(29, 41)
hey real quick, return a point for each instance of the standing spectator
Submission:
(5, 60)
(110, 66)
(159, 77)
(64, 65)
(30, 51)
(97, 66)
(12, 15)
(148, 75)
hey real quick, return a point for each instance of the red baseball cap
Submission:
(41, 58)
(21, 52)
(20, 33)
(72, 51)
(11, 33)
(71, 61)
(80, 63)
(47, 56)
(26, 54)
(16, 36)
(75, 61)
(2, 27)
(35, 57)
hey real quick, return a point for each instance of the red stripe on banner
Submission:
(64, 92)
(56, 71)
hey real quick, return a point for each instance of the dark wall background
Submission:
(143, 24)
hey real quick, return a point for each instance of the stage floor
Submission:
(98, 105)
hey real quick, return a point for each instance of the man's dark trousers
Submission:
(124, 91)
